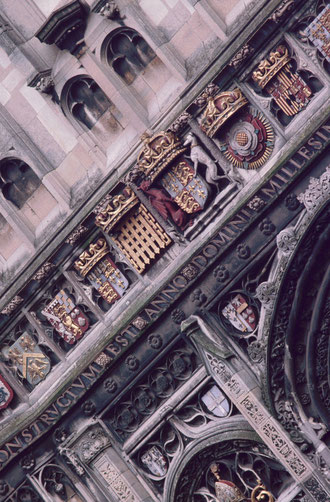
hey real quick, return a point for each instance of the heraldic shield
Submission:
(108, 280)
(68, 320)
(186, 188)
(240, 314)
(155, 461)
(29, 359)
(101, 271)
(216, 402)
(6, 393)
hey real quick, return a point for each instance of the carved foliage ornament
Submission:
(276, 76)
(12, 305)
(245, 51)
(101, 271)
(43, 271)
(317, 192)
(93, 442)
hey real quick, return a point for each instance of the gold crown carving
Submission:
(115, 209)
(268, 68)
(158, 151)
(220, 108)
(89, 258)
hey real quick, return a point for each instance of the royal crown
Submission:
(89, 258)
(220, 108)
(115, 209)
(158, 151)
(268, 68)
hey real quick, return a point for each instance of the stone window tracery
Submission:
(127, 53)
(86, 101)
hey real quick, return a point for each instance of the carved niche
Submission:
(242, 133)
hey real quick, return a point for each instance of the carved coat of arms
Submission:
(6, 393)
(240, 314)
(216, 402)
(29, 359)
(68, 320)
(186, 188)
(318, 32)
(277, 77)
(96, 265)
(155, 461)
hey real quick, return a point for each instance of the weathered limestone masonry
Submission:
(164, 251)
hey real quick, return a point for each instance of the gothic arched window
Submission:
(86, 101)
(128, 53)
(18, 181)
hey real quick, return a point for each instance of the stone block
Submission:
(42, 202)
(4, 59)
(9, 240)
(156, 10)
(4, 95)
(45, 142)
(71, 169)
(224, 7)
(59, 128)
(13, 79)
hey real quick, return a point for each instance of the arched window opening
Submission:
(128, 54)
(18, 181)
(86, 101)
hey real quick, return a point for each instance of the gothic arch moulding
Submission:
(239, 458)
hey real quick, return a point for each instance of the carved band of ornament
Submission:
(43, 271)
(268, 68)
(12, 305)
(220, 108)
(158, 151)
(285, 7)
(317, 193)
(76, 235)
(240, 56)
(116, 208)
(209, 91)
(88, 259)
(266, 294)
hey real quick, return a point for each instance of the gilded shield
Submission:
(155, 461)
(108, 280)
(6, 393)
(29, 359)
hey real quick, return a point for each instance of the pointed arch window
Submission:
(127, 53)
(86, 101)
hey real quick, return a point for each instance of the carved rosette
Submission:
(266, 294)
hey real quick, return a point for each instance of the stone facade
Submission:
(164, 228)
